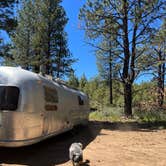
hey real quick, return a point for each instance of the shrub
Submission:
(153, 115)
(116, 114)
(107, 114)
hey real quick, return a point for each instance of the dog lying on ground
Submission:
(76, 154)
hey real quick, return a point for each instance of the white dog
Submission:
(76, 154)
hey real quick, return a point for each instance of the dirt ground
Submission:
(105, 144)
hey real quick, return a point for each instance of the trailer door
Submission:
(51, 107)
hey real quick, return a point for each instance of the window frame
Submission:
(47, 91)
(81, 101)
(7, 104)
(50, 104)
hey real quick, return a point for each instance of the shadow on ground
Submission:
(50, 152)
(54, 151)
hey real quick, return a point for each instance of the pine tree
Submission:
(23, 36)
(73, 80)
(44, 38)
(62, 59)
(7, 21)
(133, 21)
(157, 60)
(107, 54)
(83, 81)
(52, 39)
(7, 24)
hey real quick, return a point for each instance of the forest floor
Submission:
(105, 144)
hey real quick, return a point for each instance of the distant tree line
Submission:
(144, 94)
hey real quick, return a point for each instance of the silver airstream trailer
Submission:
(33, 108)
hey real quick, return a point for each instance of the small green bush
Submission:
(116, 114)
(107, 114)
(154, 115)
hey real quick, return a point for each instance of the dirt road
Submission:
(105, 144)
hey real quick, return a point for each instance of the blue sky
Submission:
(86, 63)
(76, 39)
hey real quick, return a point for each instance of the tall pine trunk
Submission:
(126, 76)
(163, 79)
(110, 79)
(59, 60)
(36, 69)
(160, 81)
(128, 99)
(110, 84)
(48, 50)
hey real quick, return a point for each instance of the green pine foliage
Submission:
(83, 81)
(40, 38)
(7, 24)
(73, 81)
(127, 27)
(7, 21)
(144, 94)
(145, 107)
(23, 38)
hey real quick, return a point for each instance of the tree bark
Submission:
(128, 99)
(125, 42)
(160, 81)
(48, 39)
(126, 76)
(36, 69)
(110, 79)
(59, 60)
(110, 84)
(159, 88)
(48, 51)
(163, 76)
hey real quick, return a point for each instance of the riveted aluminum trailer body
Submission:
(33, 108)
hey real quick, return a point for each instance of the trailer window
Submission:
(80, 100)
(9, 96)
(51, 95)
